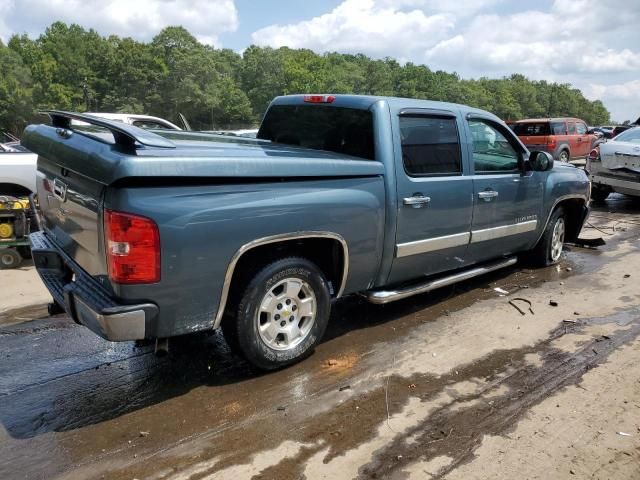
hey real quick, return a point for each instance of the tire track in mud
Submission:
(458, 432)
(456, 429)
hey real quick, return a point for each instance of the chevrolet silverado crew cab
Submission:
(152, 235)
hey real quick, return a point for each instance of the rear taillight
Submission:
(594, 155)
(319, 98)
(551, 143)
(133, 248)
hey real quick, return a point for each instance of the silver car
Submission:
(614, 166)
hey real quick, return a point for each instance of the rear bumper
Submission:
(84, 299)
(621, 185)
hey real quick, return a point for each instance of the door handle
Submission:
(487, 195)
(416, 201)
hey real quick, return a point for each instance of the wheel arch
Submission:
(328, 250)
(573, 205)
(14, 189)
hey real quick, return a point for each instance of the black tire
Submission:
(599, 194)
(242, 332)
(541, 255)
(564, 156)
(9, 258)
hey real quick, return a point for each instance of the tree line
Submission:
(71, 68)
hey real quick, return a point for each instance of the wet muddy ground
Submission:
(453, 384)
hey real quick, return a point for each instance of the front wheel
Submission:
(549, 248)
(282, 315)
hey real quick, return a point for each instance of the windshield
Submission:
(531, 128)
(321, 127)
(631, 136)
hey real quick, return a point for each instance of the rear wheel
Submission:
(9, 258)
(549, 248)
(282, 315)
(564, 156)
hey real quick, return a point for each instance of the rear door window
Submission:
(581, 128)
(347, 131)
(558, 128)
(430, 145)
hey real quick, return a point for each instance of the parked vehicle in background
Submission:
(247, 132)
(340, 194)
(17, 170)
(614, 166)
(146, 122)
(604, 132)
(564, 138)
(618, 129)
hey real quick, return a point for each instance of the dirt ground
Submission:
(455, 384)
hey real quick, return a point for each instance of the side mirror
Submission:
(540, 161)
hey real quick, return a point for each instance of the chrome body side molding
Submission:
(381, 297)
(274, 239)
(431, 244)
(503, 231)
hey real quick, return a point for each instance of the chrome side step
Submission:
(381, 297)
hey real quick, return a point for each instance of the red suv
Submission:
(563, 138)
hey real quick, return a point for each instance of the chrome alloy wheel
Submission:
(557, 239)
(287, 313)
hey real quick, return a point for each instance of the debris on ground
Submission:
(590, 242)
(501, 291)
(520, 299)
(553, 303)
(569, 321)
(626, 275)
(624, 434)
(569, 269)
(345, 387)
(332, 362)
(144, 434)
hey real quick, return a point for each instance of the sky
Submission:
(592, 44)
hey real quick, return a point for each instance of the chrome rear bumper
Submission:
(84, 299)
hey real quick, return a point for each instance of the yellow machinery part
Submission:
(20, 204)
(6, 230)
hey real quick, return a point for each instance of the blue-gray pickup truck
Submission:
(149, 235)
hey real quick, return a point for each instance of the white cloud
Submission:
(622, 98)
(582, 42)
(140, 19)
(363, 26)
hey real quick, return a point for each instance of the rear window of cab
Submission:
(342, 130)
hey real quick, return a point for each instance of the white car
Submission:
(614, 166)
(17, 170)
(142, 121)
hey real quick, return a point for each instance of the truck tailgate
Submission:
(70, 209)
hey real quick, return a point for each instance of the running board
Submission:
(381, 297)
